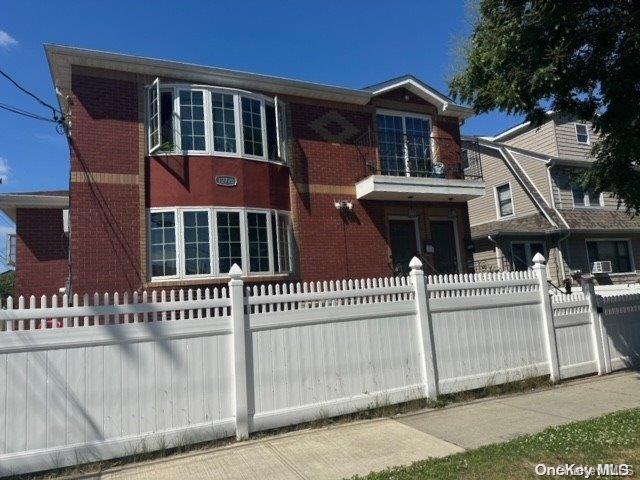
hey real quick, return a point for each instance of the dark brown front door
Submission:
(443, 237)
(404, 245)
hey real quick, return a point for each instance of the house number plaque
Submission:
(226, 181)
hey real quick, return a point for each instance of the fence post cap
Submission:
(235, 272)
(538, 259)
(415, 264)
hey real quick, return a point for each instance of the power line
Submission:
(27, 114)
(38, 99)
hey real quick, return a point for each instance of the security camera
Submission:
(343, 205)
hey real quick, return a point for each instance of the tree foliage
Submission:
(581, 57)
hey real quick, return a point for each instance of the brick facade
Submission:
(114, 183)
(41, 252)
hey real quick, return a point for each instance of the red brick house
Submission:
(178, 171)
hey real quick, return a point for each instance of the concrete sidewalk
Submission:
(357, 448)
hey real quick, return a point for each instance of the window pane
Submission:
(578, 195)
(258, 242)
(154, 117)
(252, 126)
(284, 261)
(163, 244)
(616, 252)
(519, 253)
(196, 243)
(594, 199)
(505, 204)
(166, 121)
(192, 120)
(272, 137)
(418, 144)
(224, 123)
(391, 145)
(582, 134)
(229, 246)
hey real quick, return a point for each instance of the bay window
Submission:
(206, 242)
(215, 121)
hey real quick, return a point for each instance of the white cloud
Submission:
(7, 41)
(4, 169)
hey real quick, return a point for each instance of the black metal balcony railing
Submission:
(418, 156)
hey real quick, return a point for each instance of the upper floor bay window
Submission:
(582, 133)
(215, 121)
(198, 243)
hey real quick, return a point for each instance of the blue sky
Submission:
(347, 43)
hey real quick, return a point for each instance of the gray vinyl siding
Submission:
(536, 170)
(568, 146)
(540, 140)
(495, 172)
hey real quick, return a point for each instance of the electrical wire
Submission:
(38, 99)
(27, 114)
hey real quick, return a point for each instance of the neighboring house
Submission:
(534, 204)
(179, 171)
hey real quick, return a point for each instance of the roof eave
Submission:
(60, 57)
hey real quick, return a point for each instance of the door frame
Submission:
(416, 224)
(453, 220)
(527, 247)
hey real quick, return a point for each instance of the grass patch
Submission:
(613, 438)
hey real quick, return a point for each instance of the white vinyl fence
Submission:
(95, 378)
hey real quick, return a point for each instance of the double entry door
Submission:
(404, 239)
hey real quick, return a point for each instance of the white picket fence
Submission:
(107, 376)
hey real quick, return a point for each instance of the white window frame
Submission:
(155, 86)
(404, 115)
(587, 200)
(289, 239)
(632, 262)
(281, 129)
(182, 267)
(177, 227)
(497, 201)
(207, 114)
(586, 128)
(213, 243)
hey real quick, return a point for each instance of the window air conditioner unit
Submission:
(601, 267)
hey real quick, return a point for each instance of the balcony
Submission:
(411, 167)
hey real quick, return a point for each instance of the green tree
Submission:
(577, 56)
(6, 285)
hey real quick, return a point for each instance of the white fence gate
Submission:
(111, 376)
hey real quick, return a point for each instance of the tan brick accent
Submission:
(326, 189)
(111, 178)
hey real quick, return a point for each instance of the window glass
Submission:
(197, 257)
(192, 134)
(582, 134)
(154, 117)
(272, 135)
(614, 251)
(252, 126)
(166, 121)
(391, 144)
(418, 144)
(229, 241)
(258, 242)
(585, 199)
(163, 244)
(594, 199)
(578, 196)
(505, 204)
(284, 261)
(224, 123)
